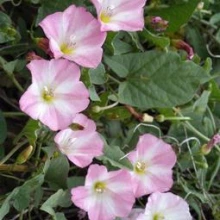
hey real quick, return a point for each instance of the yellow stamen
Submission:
(140, 167)
(48, 94)
(99, 187)
(105, 18)
(158, 216)
(66, 49)
(106, 14)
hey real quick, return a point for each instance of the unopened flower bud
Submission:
(43, 43)
(158, 24)
(206, 148)
(33, 56)
(160, 118)
(24, 155)
(180, 44)
(96, 109)
(202, 165)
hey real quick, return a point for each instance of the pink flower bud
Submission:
(33, 56)
(180, 44)
(206, 148)
(43, 43)
(158, 24)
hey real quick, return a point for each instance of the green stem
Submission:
(215, 173)
(98, 109)
(16, 83)
(204, 22)
(12, 177)
(38, 154)
(21, 215)
(12, 114)
(177, 118)
(191, 128)
(212, 118)
(11, 75)
(113, 79)
(162, 118)
(195, 131)
(16, 148)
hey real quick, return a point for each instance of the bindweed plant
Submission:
(109, 110)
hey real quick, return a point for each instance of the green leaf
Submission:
(60, 198)
(21, 196)
(93, 94)
(57, 172)
(156, 79)
(75, 181)
(59, 216)
(9, 67)
(6, 204)
(3, 128)
(215, 19)
(4, 20)
(15, 48)
(7, 32)
(117, 113)
(159, 41)
(215, 91)
(29, 131)
(196, 40)
(177, 14)
(119, 46)
(200, 105)
(135, 38)
(98, 76)
(116, 157)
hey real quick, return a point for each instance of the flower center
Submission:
(140, 167)
(68, 48)
(106, 14)
(48, 94)
(99, 187)
(158, 216)
(68, 146)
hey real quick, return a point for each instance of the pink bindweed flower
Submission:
(80, 143)
(152, 160)
(75, 35)
(106, 195)
(119, 15)
(165, 206)
(56, 95)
